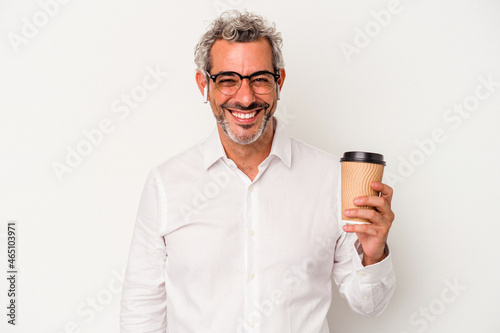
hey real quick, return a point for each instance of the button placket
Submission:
(252, 216)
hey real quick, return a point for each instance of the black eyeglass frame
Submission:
(214, 78)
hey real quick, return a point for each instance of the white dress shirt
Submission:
(213, 251)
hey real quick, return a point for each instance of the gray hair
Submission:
(234, 26)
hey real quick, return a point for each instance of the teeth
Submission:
(244, 115)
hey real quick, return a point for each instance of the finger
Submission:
(385, 190)
(367, 214)
(379, 217)
(366, 229)
(379, 203)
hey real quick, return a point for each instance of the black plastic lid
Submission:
(361, 156)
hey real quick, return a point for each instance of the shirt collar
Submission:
(213, 149)
(281, 147)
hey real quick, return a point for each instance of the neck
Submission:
(248, 157)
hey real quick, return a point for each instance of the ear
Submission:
(281, 80)
(201, 81)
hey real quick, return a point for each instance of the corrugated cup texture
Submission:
(356, 180)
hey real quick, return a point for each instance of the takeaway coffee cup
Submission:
(359, 169)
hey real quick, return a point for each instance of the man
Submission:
(242, 232)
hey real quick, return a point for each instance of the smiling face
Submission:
(244, 116)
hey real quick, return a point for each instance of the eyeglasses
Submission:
(228, 83)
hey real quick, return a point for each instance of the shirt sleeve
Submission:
(143, 303)
(367, 289)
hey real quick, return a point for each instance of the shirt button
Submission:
(250, 188)
(252, 232)
(362, 273)
(252, 323)
(251, 276)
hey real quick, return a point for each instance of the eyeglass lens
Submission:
(229, 83)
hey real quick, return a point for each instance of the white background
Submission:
(68, 73)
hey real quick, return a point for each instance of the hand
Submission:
(373, 236)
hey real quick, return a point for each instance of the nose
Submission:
(245, 94)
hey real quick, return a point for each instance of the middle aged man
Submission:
(242, 233)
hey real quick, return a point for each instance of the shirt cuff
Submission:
(371, 273)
